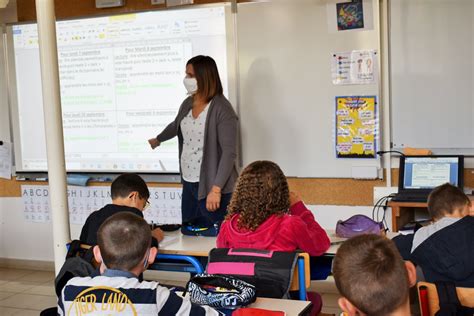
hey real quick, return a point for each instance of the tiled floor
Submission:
(329, 293)
(27, 292)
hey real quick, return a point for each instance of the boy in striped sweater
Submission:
(124, 252)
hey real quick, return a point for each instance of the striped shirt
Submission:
(123, 294)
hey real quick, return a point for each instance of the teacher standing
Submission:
(206, 126)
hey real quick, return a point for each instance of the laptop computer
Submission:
(419, 175)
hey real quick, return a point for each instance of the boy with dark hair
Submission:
(129, 194)
(372, 277)
(445, 249)
(124, 252)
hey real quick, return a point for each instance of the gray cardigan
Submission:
(220, 144)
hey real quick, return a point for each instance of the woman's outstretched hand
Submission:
(154, 142)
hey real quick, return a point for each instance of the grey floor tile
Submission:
(29, 301)
(7, 311)
(38, 276)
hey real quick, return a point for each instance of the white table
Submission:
(176, 243)
(199, 246)
(187, 248)
(336, 242)
(290, 307)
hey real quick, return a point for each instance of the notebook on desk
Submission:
(419, 175)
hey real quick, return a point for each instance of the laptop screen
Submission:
(428, 172)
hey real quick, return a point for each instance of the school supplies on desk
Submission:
(257, 312)
(220, 291)
(169, 227)
(192, 230)
(358, 225)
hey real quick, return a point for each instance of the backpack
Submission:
(271, 272)
(449, 304)
(79, 263)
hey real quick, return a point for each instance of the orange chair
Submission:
(429, 301)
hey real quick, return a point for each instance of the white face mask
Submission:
(191, 85)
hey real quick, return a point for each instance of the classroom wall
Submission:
(329, 199)
(33, 241)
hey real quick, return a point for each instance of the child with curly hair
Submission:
(263, 214)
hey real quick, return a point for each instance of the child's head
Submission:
(131, 190)
(261, 191)
(123, 243)
(371, 276)
(448, 200)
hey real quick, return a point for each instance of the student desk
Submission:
(176, 243)
(290, 307)
(182, 250)
(336, 242)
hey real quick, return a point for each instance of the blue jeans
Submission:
(194, 211)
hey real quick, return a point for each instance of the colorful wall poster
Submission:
(355, 67)
(356, 126)
(350, 15)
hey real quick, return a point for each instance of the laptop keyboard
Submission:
(410, 198)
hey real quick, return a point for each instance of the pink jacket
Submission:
(282, 233)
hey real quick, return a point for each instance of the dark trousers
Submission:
(194, 211)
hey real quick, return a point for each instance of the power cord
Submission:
(382, 203)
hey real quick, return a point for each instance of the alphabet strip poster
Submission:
(356, 127)
(165, 203)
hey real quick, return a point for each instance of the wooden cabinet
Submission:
(404, 212)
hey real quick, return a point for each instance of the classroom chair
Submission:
(301, 281)
(429, 300)
(178, 263)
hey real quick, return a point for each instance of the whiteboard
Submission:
(287, 99)
(121, 83)
(432, 74)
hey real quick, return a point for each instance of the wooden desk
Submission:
(404, 212)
